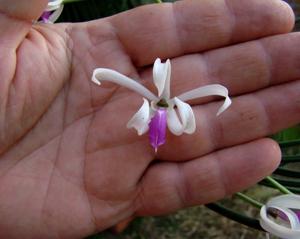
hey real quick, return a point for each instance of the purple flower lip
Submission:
(45, 16)
(157, 128)
(52, 11)
(275, 212)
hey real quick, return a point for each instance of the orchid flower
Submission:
(159, 112)
(286, 209)
(52, 12)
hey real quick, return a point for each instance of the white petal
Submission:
(141, 119)
(174, 124)
(208, 90)
(287, 200)
(283, 203)
(53, 5)
(186, 124)
(161, 78)
(56, 14)
(187, 116)
(103, 74)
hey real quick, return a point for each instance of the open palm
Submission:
(69, 167)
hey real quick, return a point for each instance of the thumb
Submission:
(23, 9)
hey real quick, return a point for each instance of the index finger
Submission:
(170, 30)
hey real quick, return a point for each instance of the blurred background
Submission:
(200, 222)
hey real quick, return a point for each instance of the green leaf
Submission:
(235, 216)
(93, 9)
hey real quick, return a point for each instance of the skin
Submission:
(69, 167)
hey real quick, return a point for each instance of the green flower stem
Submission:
(267, 184)
(250, 200)
(235, 216)
(277, 185)
(289, 143)
(291, 182)
(287, 159)
(287, 172)
(71, 1)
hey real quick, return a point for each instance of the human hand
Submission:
(69, 167)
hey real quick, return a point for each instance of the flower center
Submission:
(162, 103)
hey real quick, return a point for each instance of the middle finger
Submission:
(242, 68)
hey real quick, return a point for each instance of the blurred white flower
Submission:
(281, 216)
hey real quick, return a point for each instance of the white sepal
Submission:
(140, 121)
(103, 74)
(186, 124)
(56, 14)
(208, 90)
(161, 78)
(53, 5)
(225, 105)
(287, 200)
(283, 203)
